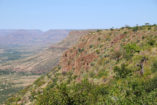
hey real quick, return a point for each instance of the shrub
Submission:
(135, 29)
(125, 32)
(90, 46)
(98, 51)
(83, 93)
(127, 26)
(112, 29)
(12, 99)
(39, 81)
(99, 39)
(130, 49)
(92, 64)
(151, 42)
(122, 72)
(81, 50)
(147, 24)
(154, 66)
(151, 84)
(54, 96)
(116, 55)
(98, 30)
(102, 73)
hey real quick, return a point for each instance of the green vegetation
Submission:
(99, 30)
(124, 91)
(84, 93)
(151, 42)
(121, 72)
(11, 54)
(130, 49)
(5, 72)
(81, 50)
(154, 66)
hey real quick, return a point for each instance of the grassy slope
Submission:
(109, 67)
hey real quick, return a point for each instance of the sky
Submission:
(76, 14)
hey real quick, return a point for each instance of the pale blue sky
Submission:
(75, 14)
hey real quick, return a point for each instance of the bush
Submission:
(135, 29)
(90, 46)
(151, 42)
(54, 96)
(98, 30)
(122, 72)
(99, 39)
(98, 51)
(81, 50)
(83, 93)
(130, 49)
(102, 73)
(125, 32)
(39, 81)
(116, 55)
(154, 66)
(151, 84)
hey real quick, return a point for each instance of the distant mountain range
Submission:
(30, 38)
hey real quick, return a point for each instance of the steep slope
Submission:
(111, 67)
(44, 60)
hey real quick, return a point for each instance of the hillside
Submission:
(111, 67)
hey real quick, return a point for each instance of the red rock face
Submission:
(118, 38)
(84, 62)
(76, 60)
(71, 60)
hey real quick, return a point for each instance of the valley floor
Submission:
(12, 83)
